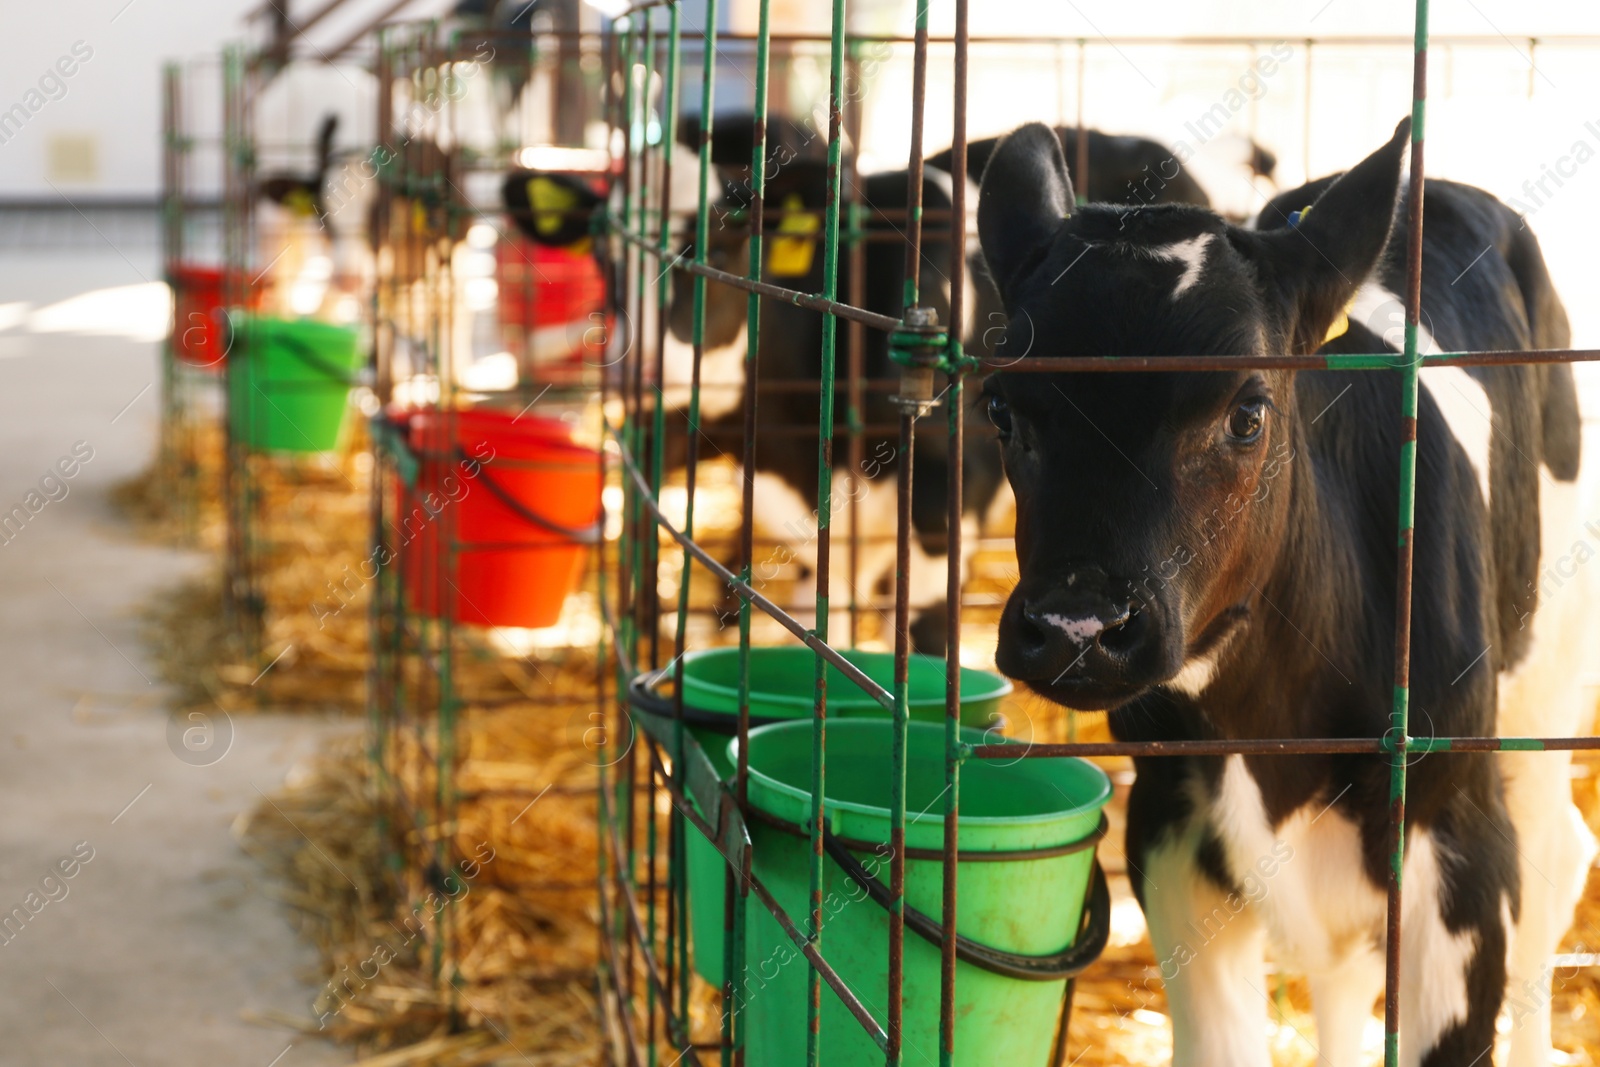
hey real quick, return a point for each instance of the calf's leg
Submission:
(1556, 849)
(1455, 929)
(1209, 949)
(1342, 1000)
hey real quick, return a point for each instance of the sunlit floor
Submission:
(163, 945)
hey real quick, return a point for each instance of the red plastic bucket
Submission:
(523, 502)
(199, 335)
(553, 293)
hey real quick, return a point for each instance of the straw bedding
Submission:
(520, 949)
(311, 532)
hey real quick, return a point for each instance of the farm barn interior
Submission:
(707, 532)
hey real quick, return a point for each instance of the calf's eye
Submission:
(999, 413)
(1246, 420)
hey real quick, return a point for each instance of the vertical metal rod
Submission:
(630, 552)
(1305, 118)
(621, 51)
(610, 978)
(737, 883)
(895, 1023)
(956, 489)
(639, 114)
(172, 442)
(437, 172)
(702, 238)
(1399, 719)
(856, 335)
(894, 1028)
(610, 926)
(919, 90)
(658, 425)
(1080, 166)
(825, 403)
(669, 140)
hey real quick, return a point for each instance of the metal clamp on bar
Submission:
(918, 346)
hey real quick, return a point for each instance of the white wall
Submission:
(112, 98)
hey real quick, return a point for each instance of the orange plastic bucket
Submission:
(199, 334)
(520, 501)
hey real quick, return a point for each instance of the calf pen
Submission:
(645, 908)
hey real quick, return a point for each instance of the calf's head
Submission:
(1151, 507)
(792, 248)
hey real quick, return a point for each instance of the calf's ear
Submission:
(1317, 265)
(1024, 196)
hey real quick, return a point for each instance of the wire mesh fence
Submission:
(646, 903)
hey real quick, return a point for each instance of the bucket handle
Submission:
(646, 700)
(586, 535)
(303, 352)
(1068, 963)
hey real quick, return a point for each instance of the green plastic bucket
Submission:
(782, 685)
(782, 682)
(289, 383)
(1043, 815)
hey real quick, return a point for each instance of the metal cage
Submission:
(645, 973)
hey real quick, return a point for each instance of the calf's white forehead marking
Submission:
(1191, 253)
(1080, 630)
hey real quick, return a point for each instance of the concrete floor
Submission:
(168, 937)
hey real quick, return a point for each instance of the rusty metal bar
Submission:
(811, 641)
(955, 414)
(758, 889)
(1399, 719)
(778, 292)
(1327, 361)
(646, 950)
(1279, 747)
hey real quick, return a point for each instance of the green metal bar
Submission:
(669, 138)
(702, 239)
(1399, 718)
(919, 85)
(632, 213)
(737, 891)
(637, 108)
(904, 477)
(830, 330)
(678, 946)
(616, 805)
(952, 737)
(955, 414)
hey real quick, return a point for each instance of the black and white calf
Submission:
(790, 352)
(1123, 169)
(1213, 556)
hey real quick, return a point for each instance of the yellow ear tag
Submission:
(1341, 323)
(419, 217)
(790, 257)
(300, 203)
(550, 203)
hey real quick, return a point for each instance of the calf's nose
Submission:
(1088, 636)
(1080, 626)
